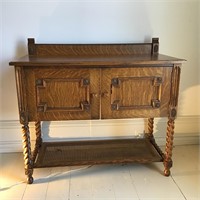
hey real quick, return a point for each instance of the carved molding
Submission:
(23, 117)
(174, 91)
(155, 102)
(22, 102)
(43, 106)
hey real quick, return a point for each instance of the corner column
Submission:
(171, 119)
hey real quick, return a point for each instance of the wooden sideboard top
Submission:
(95, 55)
(101, 61)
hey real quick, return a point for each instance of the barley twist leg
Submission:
(38, 142)
(150, 126)
(169, 147)
(151, 136)
(27, 153)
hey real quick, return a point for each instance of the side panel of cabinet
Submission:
(135, 92)
(61, 93)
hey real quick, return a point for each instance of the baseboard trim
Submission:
(16, 146)
(186, 131)
(10, 146)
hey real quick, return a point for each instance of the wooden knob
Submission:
(104, 94)
(94, 95)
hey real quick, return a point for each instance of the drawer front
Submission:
(61, 93)
(136, 92)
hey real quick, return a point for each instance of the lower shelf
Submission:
(54, 154)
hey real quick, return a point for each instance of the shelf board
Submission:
(53, 154)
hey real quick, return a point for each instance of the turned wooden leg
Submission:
(38, 142)
(151, 136)
(169, 147)
(27, 153)
(150, 126)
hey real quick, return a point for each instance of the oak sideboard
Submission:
(96, 81)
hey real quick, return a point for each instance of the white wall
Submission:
(175, 22)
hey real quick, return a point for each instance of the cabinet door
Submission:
(61, 93)
(135, 92)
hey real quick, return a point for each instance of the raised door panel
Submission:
(62, 93)
(135, 92)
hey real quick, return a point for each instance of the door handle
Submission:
(104, 94)
(93, 95)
